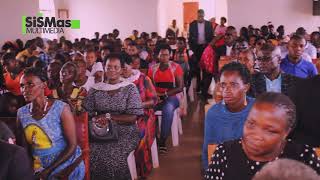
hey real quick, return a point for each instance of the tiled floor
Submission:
(183, 162)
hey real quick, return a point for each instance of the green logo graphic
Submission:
(51, 25)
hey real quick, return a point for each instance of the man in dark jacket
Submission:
(200, 34)
(306, 97)
(14, 163)
(270, 78)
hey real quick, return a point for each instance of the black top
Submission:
(229, 161)
(307, 97)
(14, 163)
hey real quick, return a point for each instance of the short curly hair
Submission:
(240, 68)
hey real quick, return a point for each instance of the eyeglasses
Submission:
(266, 58)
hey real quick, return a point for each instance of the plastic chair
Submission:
(154, 154)
(132, 166)
(174, 127)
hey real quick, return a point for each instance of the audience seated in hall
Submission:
(131, 78)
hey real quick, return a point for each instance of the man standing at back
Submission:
(200, 34)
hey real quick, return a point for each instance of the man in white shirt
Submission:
(200, 34)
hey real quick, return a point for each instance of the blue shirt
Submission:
(302, 69)
(221, 125)
(275, 85)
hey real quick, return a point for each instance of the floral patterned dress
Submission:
(75, 100)
(147, 127)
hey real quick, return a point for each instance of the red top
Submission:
(47, 91)
(220, 42)
(13, 85)
(165, 80)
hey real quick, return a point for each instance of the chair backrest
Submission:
(318, 151)
(317, 63)
(211, 149)
(83, 139)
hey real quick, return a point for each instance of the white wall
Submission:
(11, 12)
(105, 15)
(221, 10)
(173, 9)
(291, 13)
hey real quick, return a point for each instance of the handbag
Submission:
(106, 133)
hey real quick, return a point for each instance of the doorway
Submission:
(190, 13)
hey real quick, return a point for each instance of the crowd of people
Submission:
(266, 96)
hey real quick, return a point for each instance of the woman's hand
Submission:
(43, 175)
(61, 175)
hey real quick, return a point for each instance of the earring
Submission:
(245, 101)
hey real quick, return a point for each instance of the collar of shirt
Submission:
(287, 61)
(229, 50)
(273, 85)
(307, 45)
(201, 33)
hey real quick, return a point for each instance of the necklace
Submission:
(45, 107)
